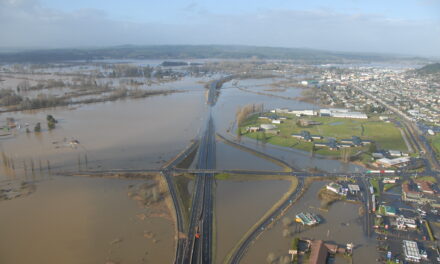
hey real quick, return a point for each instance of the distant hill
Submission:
(430, 69)
(180, 52)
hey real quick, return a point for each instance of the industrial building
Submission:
(411, 251)
(308, 219)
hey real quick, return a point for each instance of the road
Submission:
(198, 250)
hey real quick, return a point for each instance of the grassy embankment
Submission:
(328, 198)
(376, 187)
(435, 143)
(182, 181)
(386, 135)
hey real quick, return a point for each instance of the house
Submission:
(321, 250)
(331, 144)
(252, 129)
(306, 136)
(355, 141)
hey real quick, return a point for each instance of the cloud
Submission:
(25, 23)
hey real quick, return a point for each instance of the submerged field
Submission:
(385, 135)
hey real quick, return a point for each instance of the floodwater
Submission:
(82, 220)
(79, 218)
(239, 205)
(342, 224)
(127, 134)
(231, 158)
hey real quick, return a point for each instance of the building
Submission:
(252, 129)
(425, 187)
(411, 251)
(397, 162)
(404, 223)
(321, 250)
(307, 219)
(306, 122)
(389, 210)
(355, 141)
(355, 115)
(389, 180)
(267, 127)
(303, 112)
(410, 193)
(306, 136)
(395, 153)
(354, 188)
(334, 187)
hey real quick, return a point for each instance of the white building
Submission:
(304, 112)
(356, 115)
(395, 153)
(393, 162)
(267, 126)
(404, 223)
(411, 251)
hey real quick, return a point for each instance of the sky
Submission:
(407, 27)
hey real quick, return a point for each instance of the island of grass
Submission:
(383, 135)
(435, 143)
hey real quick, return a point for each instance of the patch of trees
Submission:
(9, 97)
(126, 70)
(41, 101)
(174, 63)
(51, 122)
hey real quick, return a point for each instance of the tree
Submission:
(51, 121)
(37, 127)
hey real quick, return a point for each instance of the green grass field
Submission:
(386, 135)
(435, 143)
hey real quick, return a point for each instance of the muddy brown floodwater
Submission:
(342, 225)
(82, 220)
(129, 134)
(239, 205)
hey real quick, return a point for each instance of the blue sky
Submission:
(405, 27)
